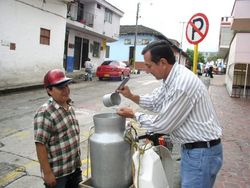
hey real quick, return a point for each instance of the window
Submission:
(127, 41)
(96, 49)
(80, 11)
(98, 6)
(44, 36)
(108, 16)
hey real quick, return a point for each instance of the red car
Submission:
(113, 69)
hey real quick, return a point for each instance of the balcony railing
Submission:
(78, 14)
(87, 19)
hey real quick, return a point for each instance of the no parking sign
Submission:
(196, 31)
(197, 28)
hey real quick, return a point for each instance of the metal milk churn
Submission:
(110, 154)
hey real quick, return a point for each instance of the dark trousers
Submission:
(69, 181)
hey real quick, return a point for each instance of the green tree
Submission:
(213, 58)
(190, 54)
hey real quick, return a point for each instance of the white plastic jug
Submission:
(151, 174)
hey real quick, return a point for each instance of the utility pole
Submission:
(181, 40)
(136, 30)
(182, 32)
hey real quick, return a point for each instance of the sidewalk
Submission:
(234, 116)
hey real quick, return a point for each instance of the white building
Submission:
(90, 25)
(235, 45)
(32, 37)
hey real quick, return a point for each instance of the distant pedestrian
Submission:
(210, 70)
(199, 69)
(57, 135)
(182, 108)
(207, 69)
(89, 70)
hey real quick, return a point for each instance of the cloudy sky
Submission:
(166, 16)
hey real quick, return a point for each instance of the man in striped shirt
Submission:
(184, 110)
(56, 133)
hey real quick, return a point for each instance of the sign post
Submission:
(196, 31)
(195, 60)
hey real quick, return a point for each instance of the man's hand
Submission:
(42, 155)
(126, 112)
(125, 91)
(50, 179)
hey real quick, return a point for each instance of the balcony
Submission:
(77, 13)
(241, 15)
(226, 35)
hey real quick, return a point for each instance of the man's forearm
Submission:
(42, 155)
(135, 98)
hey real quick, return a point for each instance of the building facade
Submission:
(90, 25)
(31, 40)
(39, 35)
(123, 49)
(236, 50)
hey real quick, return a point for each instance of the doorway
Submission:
(131, 55)
(80, 52)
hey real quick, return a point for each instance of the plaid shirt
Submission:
(58, 130)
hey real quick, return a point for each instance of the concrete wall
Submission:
(20, 24)
(111, 30)
(242, 48)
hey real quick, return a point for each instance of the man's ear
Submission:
(49, 90)
(164, 62)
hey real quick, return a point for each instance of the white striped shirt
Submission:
(184, 108)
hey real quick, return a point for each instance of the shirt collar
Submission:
(55, 104)
(171, 75)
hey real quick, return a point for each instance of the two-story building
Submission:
(234, 45)
(91, 24)
(39, 35)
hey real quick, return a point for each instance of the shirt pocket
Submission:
(195, 158)
(169, 93)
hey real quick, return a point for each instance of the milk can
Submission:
(110, 154)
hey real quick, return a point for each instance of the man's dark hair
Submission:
(160, 49)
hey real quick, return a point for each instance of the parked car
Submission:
(113, 69)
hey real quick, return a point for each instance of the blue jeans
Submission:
(89, 74)
(200, 166)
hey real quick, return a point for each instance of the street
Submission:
(18, 162)
(19, 166)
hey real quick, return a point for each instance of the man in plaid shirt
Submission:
(56, 133)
